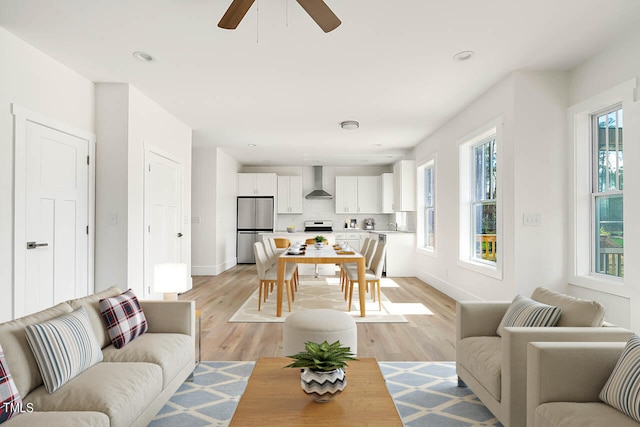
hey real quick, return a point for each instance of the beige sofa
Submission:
(564, 381)
(127, 388)
(495, 368)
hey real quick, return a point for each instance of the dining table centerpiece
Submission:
(320, 242)
(323, 369)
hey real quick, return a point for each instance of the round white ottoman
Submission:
(319, 325)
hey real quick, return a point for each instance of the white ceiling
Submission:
(282, 84)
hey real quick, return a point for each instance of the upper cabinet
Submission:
(257, 184)
(346, 194)
(357, 194)
(289, 194)
(386, 193)
(404, 188)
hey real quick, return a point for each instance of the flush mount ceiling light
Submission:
(143, 56)
(463, 56)
(349, 124)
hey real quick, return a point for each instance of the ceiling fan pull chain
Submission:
(257, 21)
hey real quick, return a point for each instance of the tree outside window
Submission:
(607, 193)
(483, 204)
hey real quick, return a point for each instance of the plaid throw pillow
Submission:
(124, 318)
(524, 311)
(622, 390)
(10, 401)
(63, 347)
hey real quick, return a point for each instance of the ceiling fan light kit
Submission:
(317, 10)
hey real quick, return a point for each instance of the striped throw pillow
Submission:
(622, 389)
(10, 401)
(124, 318)
(63, 347)
(524, 311)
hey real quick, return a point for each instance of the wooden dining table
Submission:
(324, 255)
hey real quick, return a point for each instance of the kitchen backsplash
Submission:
(325, 209)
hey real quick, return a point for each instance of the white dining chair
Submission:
(268, 277)
(373, 275)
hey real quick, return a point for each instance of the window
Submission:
(480, 242)
(596, 232)
(607, 192)
(483, 201)
(427, 206)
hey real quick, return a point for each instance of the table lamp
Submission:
(170, 279)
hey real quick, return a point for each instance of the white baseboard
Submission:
(212, 270)
(445, 287)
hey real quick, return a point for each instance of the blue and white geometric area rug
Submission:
(425, 393)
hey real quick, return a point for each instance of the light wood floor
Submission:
(424, 338)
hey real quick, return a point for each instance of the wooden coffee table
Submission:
(273, 397)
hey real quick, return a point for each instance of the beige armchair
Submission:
(495, 368)
(564, 381)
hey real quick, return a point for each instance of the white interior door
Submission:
(55, 249)
(163, 211)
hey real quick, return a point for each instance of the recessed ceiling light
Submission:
(143, 56)
(266, 161)
(349, 124)
(251, 145)
(315, 161)
(377, 145)
(465, 55)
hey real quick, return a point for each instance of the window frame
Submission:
(580, 233)
(493, 130)
(595, 188)
(421, 245)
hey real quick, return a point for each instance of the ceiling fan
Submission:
(317, 10)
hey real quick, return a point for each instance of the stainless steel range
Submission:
(316, 226)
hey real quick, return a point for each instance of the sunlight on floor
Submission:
(400, 308)
(407, 308)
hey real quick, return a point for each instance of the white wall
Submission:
(127, 122)
(226, 192)
(532, 108)
(615, 65)
(112, 130)
(214, 211)
(36, 82)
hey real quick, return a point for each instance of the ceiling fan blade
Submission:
(235, 13)
(320, 12)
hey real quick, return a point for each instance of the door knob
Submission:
(34, 245)
(179, 234)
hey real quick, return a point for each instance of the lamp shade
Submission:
(170, 278)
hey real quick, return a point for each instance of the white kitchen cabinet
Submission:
(289, 195)
(357, 194)
(386, 193)
(257, 184)
(346, 194)
(368, 194)
(404, 188)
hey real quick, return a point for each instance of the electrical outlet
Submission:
(531, 219)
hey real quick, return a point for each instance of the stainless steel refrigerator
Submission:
(255, 215)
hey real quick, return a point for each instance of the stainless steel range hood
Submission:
(318, 192)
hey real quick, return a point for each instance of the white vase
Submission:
(319, 245)
(323, 386)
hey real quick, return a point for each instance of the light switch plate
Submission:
(531, 219)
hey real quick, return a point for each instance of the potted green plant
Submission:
(320, 242)
(323, 369)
